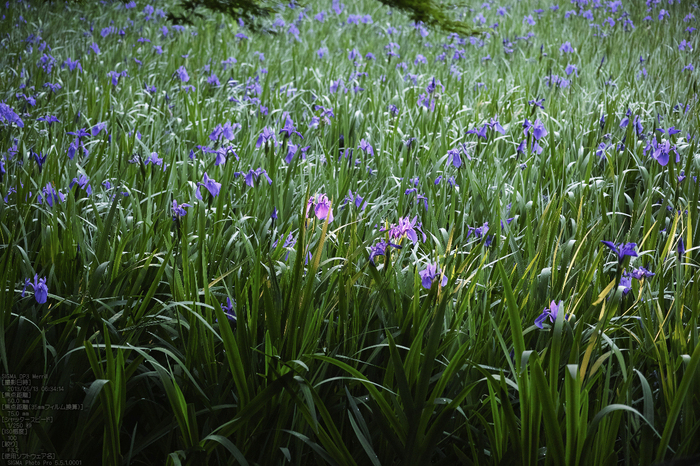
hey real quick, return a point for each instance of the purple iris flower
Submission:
(41, 291)
(429, 274)
(640, 273)
(379, 249)
(551, 312)
(508, 220)
(480, 132)
(366, 147)
(681, 247)
(228, 310)
(39, 159)
(216, 134)
(537, 103)
(51, 195)
(433, 85)
(293, 30)
(538, 130)
(211, 185)
(98, 128)
(266, 135)
(291, 150)
(322, 207)
(638, 127)
(228, 62)
(420, 197)
(453, 154)
(115, 75)
(253, 175)
(521, 147)
(671, 131)
(8, 115)
(214, 80)
(154, 159)
(288, 243)
(557, 81)
(83, 182)
(479, 232)
(626, 283)
(72, 148)
(222, 155)
(622, 250)
(182, 74)
(356, 198)
(571, 69)
(335, 85)
(566, 47)
(626, 120)
(54, 87)
(407, 227)
(228, 130)
(72, 64)
(179, 210)
(536, 148)
(600, 152)
(289, 128)
(496, 126)
(661, 153)
(30, 99)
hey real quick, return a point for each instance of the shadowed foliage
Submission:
(429, 12)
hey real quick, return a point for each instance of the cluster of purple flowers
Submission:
(226, 131)
(285, 143)
(533, 132)
(406, 228)
(288, 243)
(8, 116)
(51, 196)
(427, 99)
(252, 176)
(379, 249)
(481, 132)
(638, 274)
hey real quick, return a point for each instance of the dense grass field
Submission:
(349, 239)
